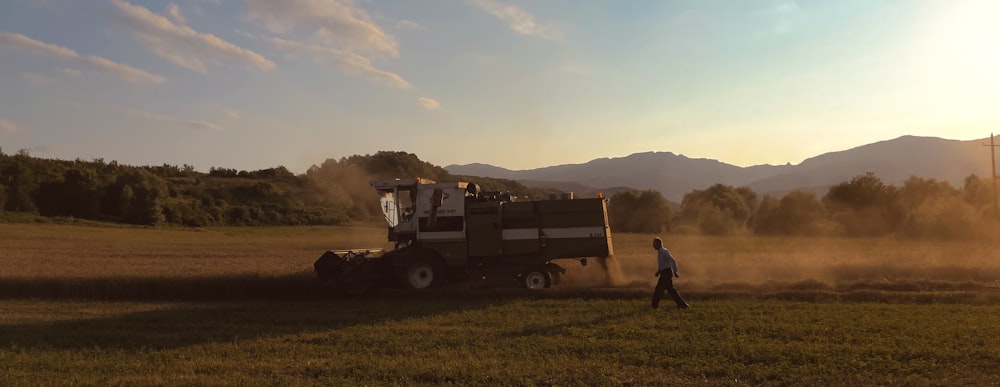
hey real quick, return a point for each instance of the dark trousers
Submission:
(666, 282)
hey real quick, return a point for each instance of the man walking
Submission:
(666, 269)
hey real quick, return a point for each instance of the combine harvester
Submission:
(452, 232)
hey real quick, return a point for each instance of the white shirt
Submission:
(665, 260)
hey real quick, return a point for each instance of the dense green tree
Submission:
(942, 217)
(78, 193)
(719, 209)
(978, 192)
(222, 172)
(639, 211)
(916, 190)
(865, 206)
(713, 220)
(386, 164)
(21, 184)
(273, 173)
(140, 197)
(935, 209)
(797, 213)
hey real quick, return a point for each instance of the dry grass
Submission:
(116, 263)
(62, 261)
(875, 312)
(59, 251)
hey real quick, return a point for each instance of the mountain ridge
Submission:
(675, 175)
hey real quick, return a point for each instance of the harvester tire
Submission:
(421, 274)
(536, 280)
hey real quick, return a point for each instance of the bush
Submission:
(943, 218)
(635, 211)
(715, 221)
(798, 213)
(736, 205)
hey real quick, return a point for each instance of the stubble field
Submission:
(108, 305)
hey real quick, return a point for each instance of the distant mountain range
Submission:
(674, 175)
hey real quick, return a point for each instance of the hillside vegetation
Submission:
(337, 192)
(862, 207)
(330, 193)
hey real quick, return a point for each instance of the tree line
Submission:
(333, 192)
(337, 191)
(862, 207)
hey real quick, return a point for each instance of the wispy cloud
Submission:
(428, 103)
(409, 25)
(182, 45)
(170, 120)
(174, 11)
(70, 72)
(346, 62)
(22, 42)
(331, 22)
(126, 72)
(520, 20)
(8, 127)
(36, 79)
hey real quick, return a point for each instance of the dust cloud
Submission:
(754, 264)
(612, 270)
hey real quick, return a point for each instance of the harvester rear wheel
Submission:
(421, 275)
(536, 280)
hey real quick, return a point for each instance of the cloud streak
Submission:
(182, 45)
(428, 103)
(170, 120)
(520, 20)
(25, 43)
(409, 24)
(346, 62)
(8, 127)
(107, 66)
(174, 11)
(332, 22)
(36, 79)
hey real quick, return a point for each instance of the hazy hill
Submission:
(675, 175)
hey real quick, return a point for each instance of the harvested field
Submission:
(121, 263)
(107, 305)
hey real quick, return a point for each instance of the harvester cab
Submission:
(452, 232)
(422, 209)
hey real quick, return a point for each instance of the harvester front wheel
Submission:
(536, 280)
(421, 275)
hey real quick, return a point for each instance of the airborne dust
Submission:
(760, 264)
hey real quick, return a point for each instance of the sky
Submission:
(521, 84)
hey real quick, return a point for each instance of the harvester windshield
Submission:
(397, 200)
(389, 208)
(397, 205)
